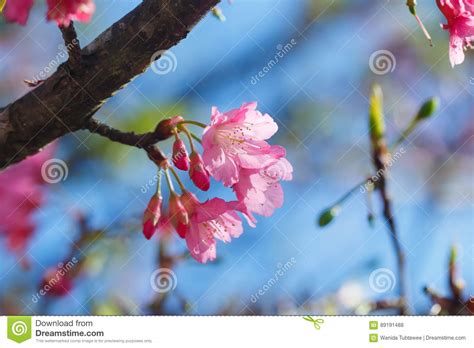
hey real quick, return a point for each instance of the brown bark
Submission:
(69, 98)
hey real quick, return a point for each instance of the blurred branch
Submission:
(380, 159)
(70, 97)
(165, 260)
(455, 303)
(387, 304)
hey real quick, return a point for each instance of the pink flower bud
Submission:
(198, 173)
(180, 155)
(151, 216)
(178, 213)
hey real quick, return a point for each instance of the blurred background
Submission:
(310, 65)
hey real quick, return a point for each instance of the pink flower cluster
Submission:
(21, 194)
(236, 153)
(460, 17)
(61, 11)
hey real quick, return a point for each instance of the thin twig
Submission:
(72, 45)
(146, 141)
(380, 157)
(141, 141)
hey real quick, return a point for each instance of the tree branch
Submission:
(71, 96)
(380, 158)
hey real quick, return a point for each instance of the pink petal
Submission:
(220, 166)
(201, 244)
(211, 209)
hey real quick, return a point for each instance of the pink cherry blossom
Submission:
(208, 221)
(18, 10)
(65, 11)
(198, 173)
(180, 155)
(21, 195)
(259, 190)
(235, 140)
(460, 16)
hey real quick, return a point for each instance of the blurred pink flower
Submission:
(65, 11)
(21, 194)
(55, 283)
(212, 219)
(236, 140)
(18, 10)
(61, 11)
(460, 16)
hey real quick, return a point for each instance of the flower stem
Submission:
(176, 176)
(196, 123)
(195, 137)
(422, 26)
(168, 180)
(190, 137)
(352, 191)
(403, 136)
(158, 186)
